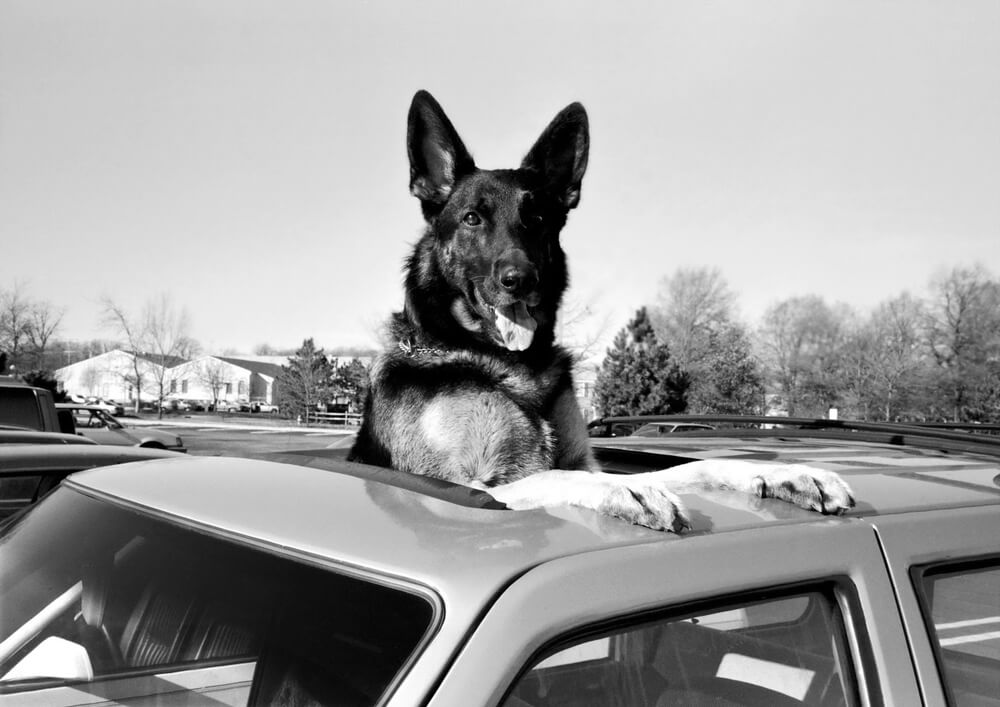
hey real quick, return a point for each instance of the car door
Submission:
(946, 567)
(791, 614)
(100, 427)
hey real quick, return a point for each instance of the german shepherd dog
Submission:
(473, 388)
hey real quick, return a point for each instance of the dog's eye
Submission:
(471, 219)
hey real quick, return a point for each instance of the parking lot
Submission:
(212, 436)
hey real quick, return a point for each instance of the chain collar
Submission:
(408, 348)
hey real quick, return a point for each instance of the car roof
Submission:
(397, 524)
(21, 436)
(36, 459)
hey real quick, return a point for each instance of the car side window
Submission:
(961, 604)
(16, 492)
(152, 613)
(767, 652)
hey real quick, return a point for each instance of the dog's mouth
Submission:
(514, 324)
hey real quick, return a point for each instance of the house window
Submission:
(184, 386)
(173, 386)
(242, 388)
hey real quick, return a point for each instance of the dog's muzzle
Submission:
(505, 299)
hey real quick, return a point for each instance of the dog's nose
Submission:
(515, 273)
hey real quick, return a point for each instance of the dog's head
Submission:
(490, 268)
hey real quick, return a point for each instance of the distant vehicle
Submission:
(98, 425)
(658, 429)
(227, 406)
(22, 405)
(109, 406)
(175, 405)
(262, 406)
(604, 427)
(29, 471)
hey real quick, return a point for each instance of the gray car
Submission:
(201, 580)
(97, 424)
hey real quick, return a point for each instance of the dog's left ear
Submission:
(560, 154)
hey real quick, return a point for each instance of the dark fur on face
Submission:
(489, 270)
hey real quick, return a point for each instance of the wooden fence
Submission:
(344, 419)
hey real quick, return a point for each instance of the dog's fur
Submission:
(472, 387)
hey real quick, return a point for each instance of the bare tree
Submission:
(157, 340)
(15, 320)
(963, 334)
(899, 362)
(168, 341)
(90, 379)
(577, 331)
(802, 341)
(117, 318)
(214, 374)
(692, 305)
(43, 322)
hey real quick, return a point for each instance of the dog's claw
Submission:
(648, 506)
(807, 487)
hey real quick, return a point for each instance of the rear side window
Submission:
(225, 622)
(783, 650)
(19, 406)
(961, 605)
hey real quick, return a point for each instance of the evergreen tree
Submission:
(351, 379)
(638, 375)
(729, 380)
(305, 382)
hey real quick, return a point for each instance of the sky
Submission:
(248, 158)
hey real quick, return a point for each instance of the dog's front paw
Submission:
(805, 486)
(646, 505)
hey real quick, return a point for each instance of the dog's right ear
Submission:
(437, 156)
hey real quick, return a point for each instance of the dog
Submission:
(472, 387)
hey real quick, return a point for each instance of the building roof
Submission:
(260, 367)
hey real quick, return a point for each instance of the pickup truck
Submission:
(22, 405)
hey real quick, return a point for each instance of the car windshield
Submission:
(95, 593)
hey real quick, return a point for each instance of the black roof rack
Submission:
(935, 435)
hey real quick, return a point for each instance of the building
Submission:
(222, 378)
(114, 375)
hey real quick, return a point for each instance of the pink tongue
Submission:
(516, 326)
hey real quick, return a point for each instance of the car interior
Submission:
(148, 600)
(771, 653)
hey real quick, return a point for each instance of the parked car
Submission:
(324, 582)
(608, 427)
(96, 424)
(263, 406)
(26, 406)
(658, 429)
(109, 406)
(227, 406)
(30, 469)
(175, 405)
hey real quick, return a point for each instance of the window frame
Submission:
(56, 690)
(838, 591)
(918, 576)
(585, 589)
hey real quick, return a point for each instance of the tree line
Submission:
(159, 332)
(934, 357)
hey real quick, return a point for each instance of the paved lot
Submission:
(214, 437)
